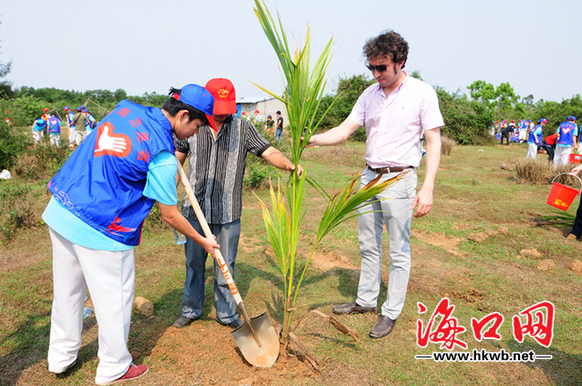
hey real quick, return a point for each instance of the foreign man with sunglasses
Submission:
(395, 111)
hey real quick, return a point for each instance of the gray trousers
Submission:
(394, 212)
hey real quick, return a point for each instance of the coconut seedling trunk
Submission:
(305, 85)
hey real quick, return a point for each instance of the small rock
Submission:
(478, 237)
(491, 232)
(503, 230)
(576, 266)
(546, 265)
(531, 253)
(503, 166)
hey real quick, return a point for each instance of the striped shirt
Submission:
(217, 168)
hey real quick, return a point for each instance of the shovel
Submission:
(256, 337)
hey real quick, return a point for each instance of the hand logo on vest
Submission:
(108, 143)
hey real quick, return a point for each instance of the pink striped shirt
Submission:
(394, 124)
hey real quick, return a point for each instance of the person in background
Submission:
(279, 130)
(38, 129)
(217, 159)
(101, 197)
(89, 128)
(269, 127)
(54, 129)
(506, 132)
(45, 116)
(395, 112)
(535, 139)
(71, 126)
(549, 145)
(565, 141)
(80, 122)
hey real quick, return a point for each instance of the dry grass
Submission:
(447, 144)
(542, 172)
(341, 155)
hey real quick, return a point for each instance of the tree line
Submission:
(468, 118)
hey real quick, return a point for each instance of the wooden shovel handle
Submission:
(208, 233)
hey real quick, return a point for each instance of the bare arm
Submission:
(172, 216)
(433, 159)
(278, 160)
(334, 136)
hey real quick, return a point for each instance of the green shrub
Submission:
(258, 170)
(42, 161)
(12, 144)
(16, 209)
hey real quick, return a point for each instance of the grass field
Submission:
(469, 249)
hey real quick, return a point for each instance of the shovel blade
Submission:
(266, 355)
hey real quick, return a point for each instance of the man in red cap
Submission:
(217, 164)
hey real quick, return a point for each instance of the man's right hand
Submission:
(210, 245)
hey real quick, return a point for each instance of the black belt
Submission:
(390, 169)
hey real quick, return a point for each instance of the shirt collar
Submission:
(379, 88)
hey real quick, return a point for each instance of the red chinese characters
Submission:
(123, 112)
(446, 330)
(136, 122)
(142, 136)
(491, 332)
(539, 325)
(143, 155)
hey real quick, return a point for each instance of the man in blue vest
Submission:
(54, 129)
(101, 197)
(535, 139)
(565, 141)
(38, 129)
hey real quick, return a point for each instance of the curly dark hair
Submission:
(389, 44)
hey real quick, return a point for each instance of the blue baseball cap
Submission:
(199, 98)
(542, 120)
(67, 108)
(571, 118)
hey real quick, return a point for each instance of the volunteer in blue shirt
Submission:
(566, 140)
(72, 128)
(535, 139)
(101, 197)
(54, 129)
(38, 129)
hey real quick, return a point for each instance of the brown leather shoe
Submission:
(383, 327)
(352, 308)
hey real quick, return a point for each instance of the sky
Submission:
(149, 46)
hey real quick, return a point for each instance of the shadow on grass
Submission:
(563, 368)
(30, 343)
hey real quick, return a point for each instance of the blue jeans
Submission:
(394, 212)
(279, 134)
(227, 236)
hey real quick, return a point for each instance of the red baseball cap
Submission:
(224, 95)
(199, 98)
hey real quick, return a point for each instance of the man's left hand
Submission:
(424, 201)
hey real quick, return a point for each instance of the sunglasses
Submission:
(379, 68)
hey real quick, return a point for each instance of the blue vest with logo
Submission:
(54, 125)
(566, 132)
(39, 124)
(102, 182)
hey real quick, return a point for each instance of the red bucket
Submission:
(562, 196)
(575, 158)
